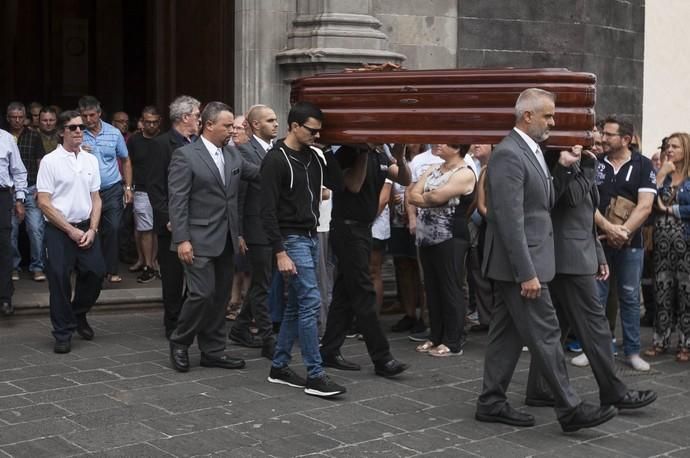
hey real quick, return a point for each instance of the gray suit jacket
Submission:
(519, 236)
(202, 209)
(250, 197)
(578, 250)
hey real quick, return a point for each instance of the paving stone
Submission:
(284, 426)
(136, 383)
(7, 389)
(31, 413)
(140, 357)
(476, 430)
(36, 429)
(91, 376)
(674, 431)
(89, 404)
(372, 448)
(582, 450)
(117, 415)
(243, 452)
(69, 393)
(130, 451)
(39, 448)
(495, 446)
(360, 432)
(112, 436)
(50, 382)
(169, 391)
(302, 444)
(428, 440)
(451, 452)
(204, 442)
(416, 421)
(634, 445)
(236, 395)
(100, 362)
(682, 453)
(12, 402)
(346, 414)
(175, 425)
(394, 405)
(138, 369)
(34, 371)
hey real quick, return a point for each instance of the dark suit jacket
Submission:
(578, 250)
(519, 235)
(157, 180)
(202, 209)
(250, 197)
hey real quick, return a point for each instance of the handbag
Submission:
(619, 210)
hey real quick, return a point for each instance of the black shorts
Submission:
(379, 245)
(401, 243)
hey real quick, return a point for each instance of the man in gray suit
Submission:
(580, 261)
(264, 125)
(519, 257)
(203, 184)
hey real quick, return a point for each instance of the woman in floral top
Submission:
(443, 195)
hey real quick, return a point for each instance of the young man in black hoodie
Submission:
(292, 174)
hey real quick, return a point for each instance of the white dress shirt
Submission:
(217, 156)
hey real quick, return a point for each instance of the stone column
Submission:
(261, 30)
(330, 35)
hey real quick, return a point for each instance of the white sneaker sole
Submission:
(322, 394)
(283, 382)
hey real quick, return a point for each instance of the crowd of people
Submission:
(286, 238)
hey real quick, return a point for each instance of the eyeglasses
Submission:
(311, 129)
(74, 127)
(609, 134)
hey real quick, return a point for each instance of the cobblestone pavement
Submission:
(117, 396)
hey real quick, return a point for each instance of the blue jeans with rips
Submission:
(626, 264)
(302, 309)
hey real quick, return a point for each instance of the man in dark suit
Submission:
(263, 122)
(203, 184)
(580, 261)
(184, 115)
(519, 257)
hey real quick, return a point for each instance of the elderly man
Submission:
(203, 185)
(108, 145)
(184, 115)
(12, 193)
(68, 184)
(31, 150)
(521, 261)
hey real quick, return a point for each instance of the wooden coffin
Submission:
(444, 106)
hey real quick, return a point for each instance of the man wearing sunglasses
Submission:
(68, 186)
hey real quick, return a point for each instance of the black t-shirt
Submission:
(361, 206)
(140, 153)
(636, 175)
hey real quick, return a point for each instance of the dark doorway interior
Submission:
(128, 53)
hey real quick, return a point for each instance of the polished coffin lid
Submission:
(439, 106)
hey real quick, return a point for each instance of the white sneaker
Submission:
(580, 360)
(525, 348)
(638, 363)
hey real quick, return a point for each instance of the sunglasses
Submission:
(311, 129)
(73, 127)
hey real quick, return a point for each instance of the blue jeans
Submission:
(302, 309)
(35, 227)
(276, 300)
(626, 264)
(111, 215)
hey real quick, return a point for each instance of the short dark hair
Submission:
(212, 110)
(462, 149)
(89, 102)
(149, 110)
(48, 109)
(301, 111)
(624, 127)
(65, 117)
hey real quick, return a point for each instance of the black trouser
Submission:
(6, 207)
(62, 257)
(483, 289)
(209, 282)
(172, 282)
(353, 293)
(256, 301)
(444, 269)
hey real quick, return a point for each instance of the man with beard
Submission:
(519, 257)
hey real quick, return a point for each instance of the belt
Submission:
(5, 189)
(353, 222)
(83, 225)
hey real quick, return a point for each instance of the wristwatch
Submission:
(128, 188)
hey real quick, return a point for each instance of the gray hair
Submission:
(530, 99)
(89, 102)
(182, 105)
(16, 106)
(212, 110)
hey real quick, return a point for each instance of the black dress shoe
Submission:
(479, 328)
(83, 329)
(268, 349)
(390, 368)
(588, 416)
(634, 399)
(224, 362)
(179, 358)
(337, 361)
(7, 309)
(508, 416)
(540, 402)
(62, 346)
(244, 338)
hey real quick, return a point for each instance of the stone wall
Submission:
(605, 37)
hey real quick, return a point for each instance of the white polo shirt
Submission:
(69, 179)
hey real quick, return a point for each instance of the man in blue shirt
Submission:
(108, 145)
